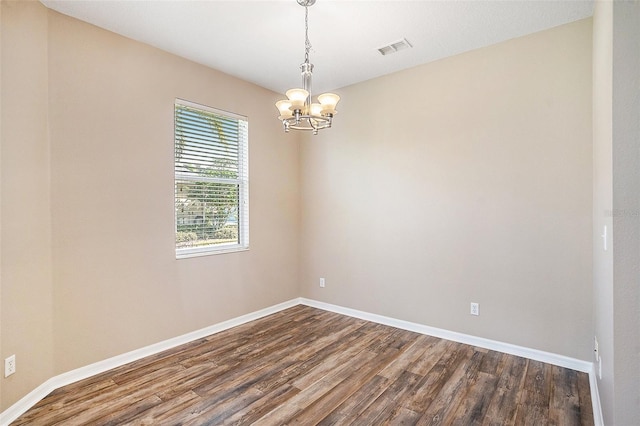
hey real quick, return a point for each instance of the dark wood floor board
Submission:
(149, 363)
(352, 407)
(243, 385)
(402, 384)
(325, 362)
(398, 339)
(154, 377)
(250, 345)
(242, 349)
(451, 395)
(533, 407)
(218, 385)
(190, 378)
(260, 356)
(132, 410)
(310, 405)
(564, 408)
(144, 391)
(205, 352)
(402, 387)
(166, 413)
(431, 356)
(59, 400)
(66, 405)
(96, 412)
(224, 408)
(251, 338)
(88, 385)
(383, 337)
(206, 408)
(342, 384)
(586, 404)
(258, 409)
(419, 350)
(504, 400)
(380, 408)
(307, 366)
(473, 408)
(388, 404)
(281, 414)
(492, 363)
(354, 376)
(392, 376)
(268, 325)
(439, 376)
(266, 371)
(402, 416)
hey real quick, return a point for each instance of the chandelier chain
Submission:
(307, 43)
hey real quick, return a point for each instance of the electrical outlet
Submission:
(475, 308)
(596, 351)
(9, 366)
(321, 282)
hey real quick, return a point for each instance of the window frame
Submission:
(242, 181)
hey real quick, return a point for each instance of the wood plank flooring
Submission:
(307, 366)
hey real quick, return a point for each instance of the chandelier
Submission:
(298, 112)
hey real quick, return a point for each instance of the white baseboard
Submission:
(20, 407)
(33, 397)
(534, 354)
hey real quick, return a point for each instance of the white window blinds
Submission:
(211, 180)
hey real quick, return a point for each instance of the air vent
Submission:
(395, 47)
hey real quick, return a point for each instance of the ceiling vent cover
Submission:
(395, 47)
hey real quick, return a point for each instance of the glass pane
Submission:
(206, 144)
(206, 213)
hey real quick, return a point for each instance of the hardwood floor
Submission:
(307, 366)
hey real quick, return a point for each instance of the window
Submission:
(211, 180)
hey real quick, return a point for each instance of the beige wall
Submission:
(626, 209)
(115, 285)
(464, 180)
(26, 286)
(603, 200)
(616, 108)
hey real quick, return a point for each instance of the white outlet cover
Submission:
(9, 366)
(475, 308)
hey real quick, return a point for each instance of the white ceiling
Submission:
(263, 41)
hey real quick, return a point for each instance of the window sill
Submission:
(210, 252)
